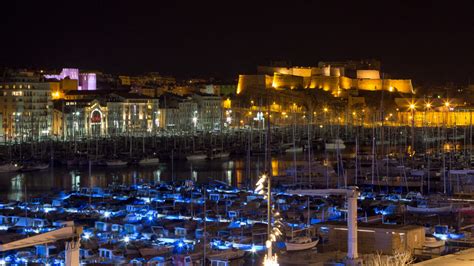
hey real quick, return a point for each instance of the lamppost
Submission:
(447, 105)
(326, 110)
(273, 231)
(412, 108)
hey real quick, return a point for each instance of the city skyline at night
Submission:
(235, 133)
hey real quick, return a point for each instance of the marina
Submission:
(205, 207)
(194, 133)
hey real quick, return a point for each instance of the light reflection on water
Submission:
(234, 172)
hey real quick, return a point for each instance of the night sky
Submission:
(414, 39)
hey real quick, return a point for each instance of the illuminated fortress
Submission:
(329, 76)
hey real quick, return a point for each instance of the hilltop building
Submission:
(336, 77)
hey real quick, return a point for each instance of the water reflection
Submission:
(234, 172)
(17, 187)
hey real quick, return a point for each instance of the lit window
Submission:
(17, 93)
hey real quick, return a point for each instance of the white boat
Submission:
(335, 144)
(301, 243)
(115, 163)
(427, 210)
(196, 157)
(149, 161)
(431, 242)
(9, 167)
(35, 167)
(219, 155)
(296, 149)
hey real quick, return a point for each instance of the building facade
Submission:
(178, 113)
(112, 114)
(26, 108)
(209, 111)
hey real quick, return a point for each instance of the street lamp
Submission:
(412, 107)
(263, 187)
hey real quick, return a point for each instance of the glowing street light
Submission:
(325, 109)
(273, 231)
(428, 105)
(412, 106)
(126, 239)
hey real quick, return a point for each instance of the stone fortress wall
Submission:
(323, 77)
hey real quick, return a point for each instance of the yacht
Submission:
(219, 155)
(9, 167)
(116, 163)
(301, 243)
(35, 167)
(432, 242)
(149, 161)
(335, 144)
(196, 157)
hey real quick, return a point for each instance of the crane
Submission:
(70, 233)
(351, 193)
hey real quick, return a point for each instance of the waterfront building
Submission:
(26, 106)
(209, 111)
(178, 113)
(105, 114)
(433, 112)
(2, 133)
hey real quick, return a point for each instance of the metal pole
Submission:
(269, 215)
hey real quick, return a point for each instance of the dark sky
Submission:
(414, 39)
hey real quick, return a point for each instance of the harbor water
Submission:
(234, 171)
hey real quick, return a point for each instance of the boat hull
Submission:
(116, 164)
(221, 155)
(196, 157)
(445, 209)
(149, 162)
(335, 146)
(298, 247)
(9, 168)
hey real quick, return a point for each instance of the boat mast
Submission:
(309, 148)
(205, 233)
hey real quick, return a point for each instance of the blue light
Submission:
(253, 249)
(441, 236)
